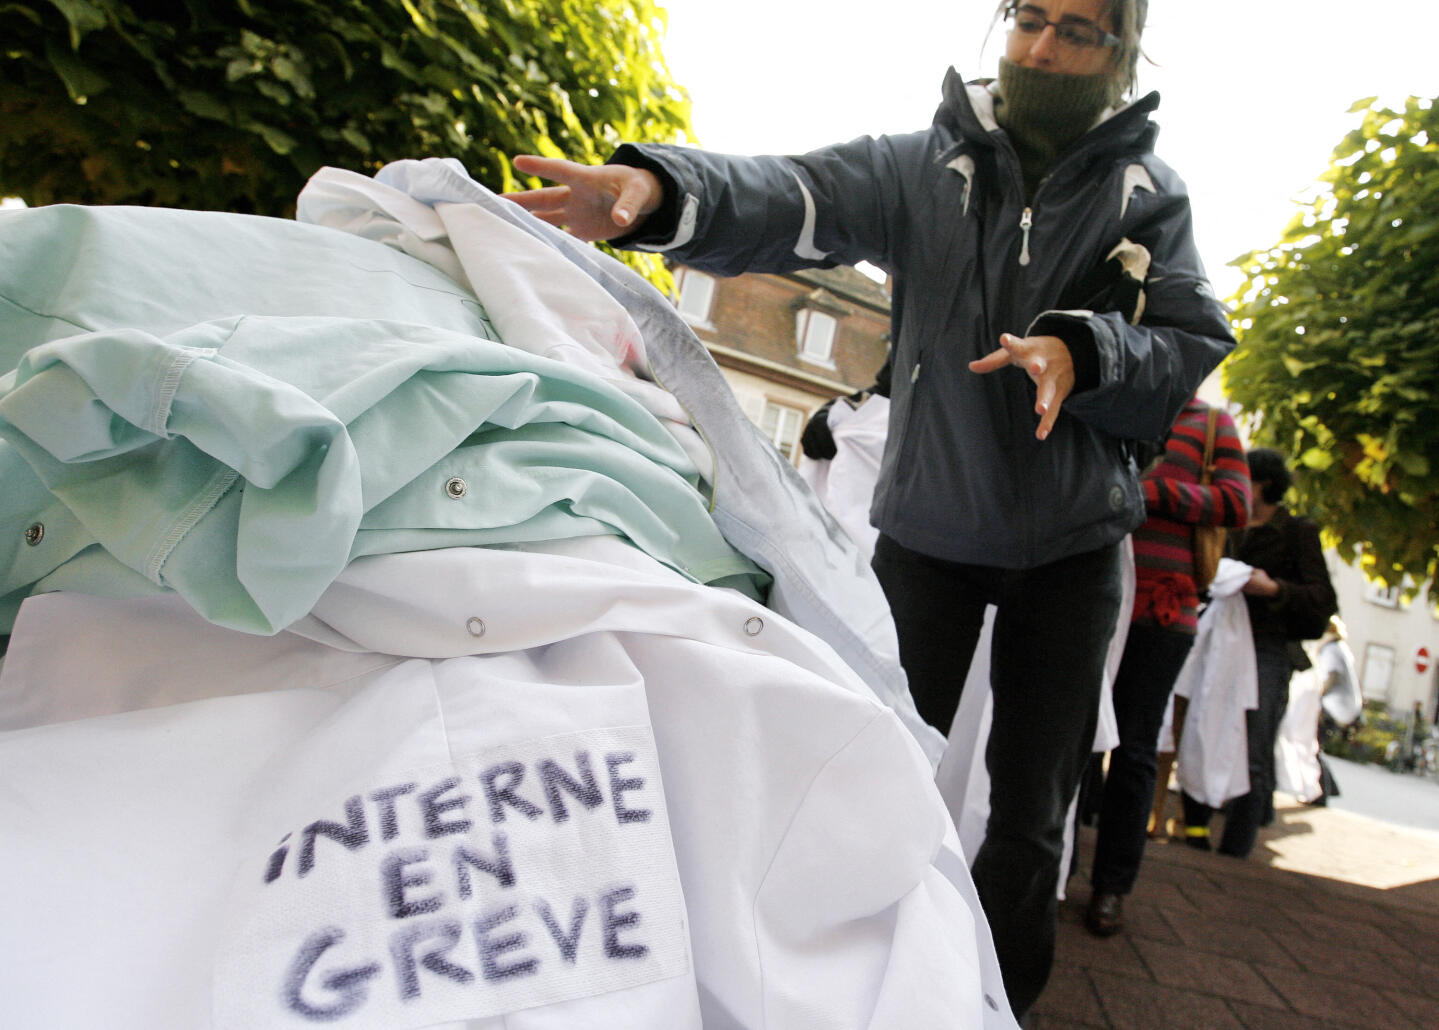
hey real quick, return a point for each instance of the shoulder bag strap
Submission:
(1206, 466)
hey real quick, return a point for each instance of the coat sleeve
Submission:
(1224, 500)
(1306, 597)
(1146, 366)
(727, 214)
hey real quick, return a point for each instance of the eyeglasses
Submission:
(1073, 32)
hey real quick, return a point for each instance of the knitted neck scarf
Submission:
(1045, 111)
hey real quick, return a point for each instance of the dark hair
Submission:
(1128, 17)
(1268, 468)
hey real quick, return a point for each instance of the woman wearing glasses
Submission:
(1049, 308)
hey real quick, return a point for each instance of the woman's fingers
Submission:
(1047, 407)
(553, 168)
(990, 362)
(640, 195)
(592, 202)
(547, 200)
(1040, 357)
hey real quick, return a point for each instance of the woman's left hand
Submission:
(1048, 363)
(1261, 584)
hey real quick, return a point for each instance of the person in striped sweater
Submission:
(1166, 613)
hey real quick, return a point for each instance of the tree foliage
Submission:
(1338, 356)
(232, 106)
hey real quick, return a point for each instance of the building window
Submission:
(781, 424)
(1387, 597)
(815, 332)
(697, 293)
(1378, 671)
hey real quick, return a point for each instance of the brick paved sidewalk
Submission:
(1333, 922)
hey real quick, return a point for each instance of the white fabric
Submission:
(1106, 734)
(434, 211)
(1338, 682)
(845, 483)
(537, 786)
(1296, 748)
(1166, 729)
(1221, 681)
(536, 302)
(1329, 686)
(793, 866)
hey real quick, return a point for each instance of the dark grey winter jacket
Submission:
(944, 211)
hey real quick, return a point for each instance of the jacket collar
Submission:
(1280, 518)
(1277, 525)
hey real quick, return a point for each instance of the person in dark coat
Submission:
(1164, 621)
(1290, 599)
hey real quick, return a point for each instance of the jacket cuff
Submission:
(1279, 600)
(662, 224)
(1073, 328)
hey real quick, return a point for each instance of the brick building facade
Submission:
(788, 343)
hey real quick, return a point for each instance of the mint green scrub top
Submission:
(233, 407)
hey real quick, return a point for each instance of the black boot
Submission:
(1105, 915)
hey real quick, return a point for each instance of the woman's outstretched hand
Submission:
(592, 202)
(1046, 360)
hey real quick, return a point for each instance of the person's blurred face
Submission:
(1070, 37)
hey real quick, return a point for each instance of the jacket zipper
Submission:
(1025, 221)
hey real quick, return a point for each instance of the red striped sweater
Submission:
(1164, 545)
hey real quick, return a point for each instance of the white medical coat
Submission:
(209, 828)
(1296, 746)
(544, 785)
(845, 483)
(1221, 681)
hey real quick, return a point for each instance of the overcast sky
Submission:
(1255, 93)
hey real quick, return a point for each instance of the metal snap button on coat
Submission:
(753, 625)
(34, 534)
(1116, 498)
(456, 487)
(476, 626)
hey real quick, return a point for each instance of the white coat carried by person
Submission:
(1220, 681)
(845, 482)
(1326, 695)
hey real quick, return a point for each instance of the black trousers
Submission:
(1047, 665)
(1244, 815)
(1152, 659)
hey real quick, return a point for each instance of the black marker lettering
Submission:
(618, 785)
(568, 943)
(348, 984)
(614, 921)
(500, 867)
(585, 790)
(431, 808)
(352, 836)
(402, 950)
(277, 861)
(395, 878)
(491, 948)
(385, 798)
(500, 796)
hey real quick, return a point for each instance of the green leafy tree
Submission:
(1338, 357)
(232, 106)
